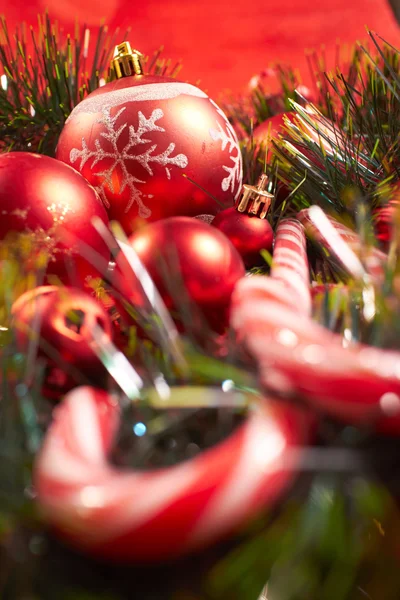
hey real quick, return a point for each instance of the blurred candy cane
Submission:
(288, 283)
(146, 516)
(290, 263)
(344, 243)
(298, 356)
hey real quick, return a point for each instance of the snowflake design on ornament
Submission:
(228, 139)
(120, 157)
(205, 218)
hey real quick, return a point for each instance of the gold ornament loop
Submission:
(253, 197)
(126, 62)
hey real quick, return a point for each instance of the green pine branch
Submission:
(46, 73)
(358, 147)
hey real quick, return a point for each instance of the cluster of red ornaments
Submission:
(144, 151)
(150, 153)
(151, 150)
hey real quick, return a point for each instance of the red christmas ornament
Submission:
(324, 133)
(270, 83)
(384, 224)
(270, 129)
(136, 137)
(268, 79)
(206, 218)
(327, 134)
(246, 226)
(199, 256)
(61, 320)
(384, 217)
(50, 200)
(148, 516)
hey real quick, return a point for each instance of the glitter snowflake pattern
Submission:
(120, 157)
(228, 139)
(205, 218)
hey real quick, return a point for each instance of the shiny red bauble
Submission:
(249, 234)
(59, 322)
(46, 198)
(386, 216)
(134, 140)
(383, 221)
(272, 128)
(188, 255)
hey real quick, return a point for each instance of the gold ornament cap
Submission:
(254, 197)
(126, 62)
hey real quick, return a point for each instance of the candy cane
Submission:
(373, 258)
(298, 356)
(146, 516)
(288, 283)
(290, 263)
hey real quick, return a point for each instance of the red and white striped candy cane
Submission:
(148, 516)
(358, 383)
(373, 259)
(290, 263)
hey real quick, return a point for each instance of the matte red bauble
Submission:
(196, 255)
(245, 224)
(61, 320)
(134, 140)
(47, 198)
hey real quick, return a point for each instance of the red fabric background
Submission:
(224, 42)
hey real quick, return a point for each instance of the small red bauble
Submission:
(270, 129)
(158, 515)
(384, 216)
(269, 80)
(60, 320)
(248, 232)
(134, 140)
(198, 255)
(48, 199)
